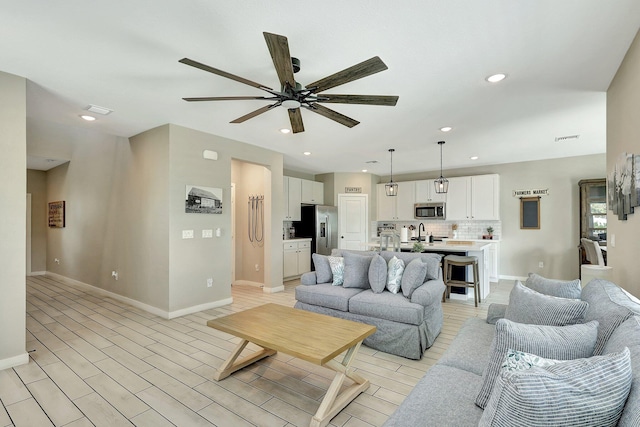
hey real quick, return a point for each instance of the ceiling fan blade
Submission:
(227, 98)
(295, 117)
(204, 67)
(358, 71)
(333, 115)
(359, 99)
(254, 113)
(279, 50)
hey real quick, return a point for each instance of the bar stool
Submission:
(461, 261)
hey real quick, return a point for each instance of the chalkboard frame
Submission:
(530, 213)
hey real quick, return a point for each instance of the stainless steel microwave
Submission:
(429, 210)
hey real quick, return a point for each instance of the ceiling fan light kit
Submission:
(292, 95)
(442, 183)
(391, 188)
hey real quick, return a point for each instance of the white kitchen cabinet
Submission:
(312, 192)
(473, 198)
(292, 197)
(426, 192)
(396, 208)
(296, 258)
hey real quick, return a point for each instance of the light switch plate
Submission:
(207, 234)
(187, 234)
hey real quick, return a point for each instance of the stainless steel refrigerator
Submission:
(321, 224)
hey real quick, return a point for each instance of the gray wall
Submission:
(37, 187)
(13, 164)
(623, 136)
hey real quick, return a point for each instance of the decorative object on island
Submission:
(417, 247)
(454, 229)
(391, 188)
(56, 214)
(489, 234)
(442, 184)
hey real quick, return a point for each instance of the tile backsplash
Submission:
(466, 229)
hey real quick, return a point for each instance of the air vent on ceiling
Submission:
(566, 138)
(371, 161)
(99, 110)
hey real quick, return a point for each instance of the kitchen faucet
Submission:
(421, 225)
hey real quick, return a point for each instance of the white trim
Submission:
(135, 303)
(273, 290)
(248, 283)
(10, 362)
(201, 307)
(521, 278)
(37, 273)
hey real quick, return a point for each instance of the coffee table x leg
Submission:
(333, 401)
(231, 365)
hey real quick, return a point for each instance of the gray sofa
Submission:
(405, 326)
(446, 395)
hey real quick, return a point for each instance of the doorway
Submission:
(250, 200)
(353, 221)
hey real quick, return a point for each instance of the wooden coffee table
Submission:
(313, 337)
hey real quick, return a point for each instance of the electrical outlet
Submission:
(257, 267)
(209, 282)
(187, 234)
(541, 264)
(56, 260)
(114, 274)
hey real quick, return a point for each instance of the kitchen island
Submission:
(457, 247)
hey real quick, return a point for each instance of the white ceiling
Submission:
(560, 57)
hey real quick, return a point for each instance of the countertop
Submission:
(297, 239)
(448, 246)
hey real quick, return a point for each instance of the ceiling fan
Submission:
(292, 95)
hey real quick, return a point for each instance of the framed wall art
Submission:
(530, 213)
(206, 200)
(56, 214)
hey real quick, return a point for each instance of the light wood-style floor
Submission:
(97, 361)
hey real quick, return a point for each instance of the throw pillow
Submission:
(554, 288)
(413, 277)
(378, 274)
(323, 269)
(394, 274)
(529, 306)
(521, 361)
(337, 269)
(356, 270)
(583, 392)
(555, 342)
(433, 267)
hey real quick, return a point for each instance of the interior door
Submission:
(353, 214)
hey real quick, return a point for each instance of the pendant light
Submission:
(442, 184)
(391, 188)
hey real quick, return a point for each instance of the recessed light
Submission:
(446, 129)
(473, 157)
(364, 170)
(496, 78)
(307, 153)
(87, 117)
(285, 130)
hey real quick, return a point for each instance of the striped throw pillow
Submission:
(581, 393)
(552, 342)
(529, 306)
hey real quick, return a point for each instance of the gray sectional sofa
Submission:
(447, 394)
(406, 326)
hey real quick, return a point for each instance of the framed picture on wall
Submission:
(530, 213)
(56, 214)
(200, 199)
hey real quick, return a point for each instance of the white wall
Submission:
(13, 164)
(623, 136)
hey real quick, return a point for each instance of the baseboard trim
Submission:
(201, 307)
(273, 290)
(37, 273)
(10, 362)
(248, 283)
(135, 303)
